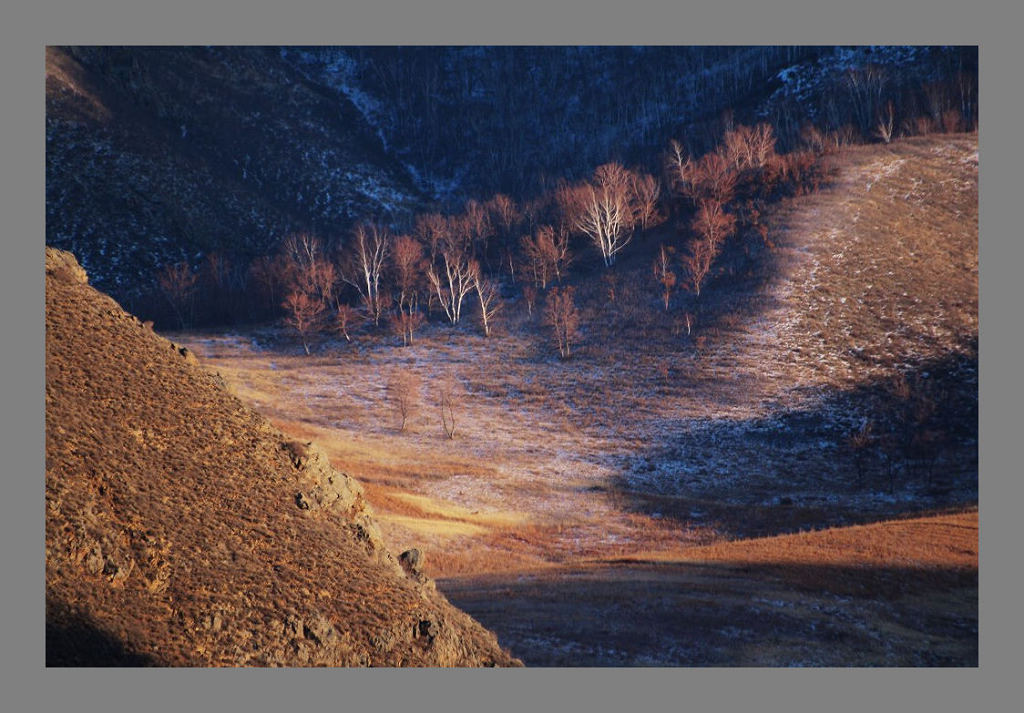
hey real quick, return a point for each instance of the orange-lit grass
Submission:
(889, 558)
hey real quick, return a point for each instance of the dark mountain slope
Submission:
(156, 155)
(182, 529)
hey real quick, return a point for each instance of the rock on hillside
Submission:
(182, 529)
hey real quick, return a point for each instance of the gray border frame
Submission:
(27, 685)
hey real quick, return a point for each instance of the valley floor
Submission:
(573, 511)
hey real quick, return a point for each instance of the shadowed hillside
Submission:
(156, 155)
(897, 593)
(183, 529)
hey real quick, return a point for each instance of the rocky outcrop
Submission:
(62, 266)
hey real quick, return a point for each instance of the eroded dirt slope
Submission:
(183, 529)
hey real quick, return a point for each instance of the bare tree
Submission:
(346, 317)
(450, 392)
(602, 209)
(504, 213)
(307, 267)
(265, 274)
(915, 404)
(452, 280)
(712, 226)
(699, 260)
(813, 138)
(364, 267)
(738, 147)
(712, 178)
(405, 324)
(750, 147)
(433, 230)
(530, 296)
(860, 442)
(678, 168)
(952, 121)
(488, 295)
(561, 257)
(303, 313)
(918, 126)
(646, 191)
(561, 316)
(505, 217)
(886, 123)
(867, 85)
(403, 389)
(409, 264)
(536, 260)
(178, 283)
(712, 223)
(546, 253)
(663, 273)
(476, 223)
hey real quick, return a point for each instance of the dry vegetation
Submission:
(183, 529)
(901, 593)
(575, 493)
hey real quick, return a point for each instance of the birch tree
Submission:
(364, 266)
(451, 277)
(602, 209)
(488, 295)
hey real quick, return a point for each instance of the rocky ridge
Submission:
(182, 529)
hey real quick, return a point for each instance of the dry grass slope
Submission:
(183, 530)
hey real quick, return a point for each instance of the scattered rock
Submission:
(428, 629)
(298, 452)
(412, 561)
(94, 559)
(293, 627)
(320, 630)
(185, 352)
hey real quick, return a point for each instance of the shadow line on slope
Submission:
(710, 614)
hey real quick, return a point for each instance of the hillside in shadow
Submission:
(730, 609)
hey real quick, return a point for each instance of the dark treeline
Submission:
(517, 119)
